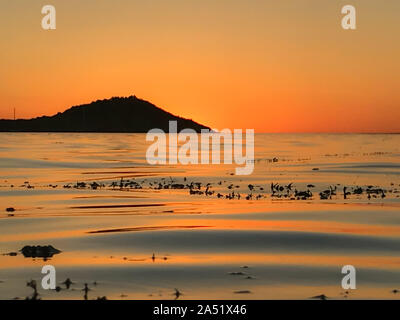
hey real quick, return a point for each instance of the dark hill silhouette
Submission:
(118, 114)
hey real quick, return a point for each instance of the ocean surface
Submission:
(127, 230)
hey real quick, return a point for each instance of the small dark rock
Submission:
(39, 251)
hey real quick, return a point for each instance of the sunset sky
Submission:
(275, 66)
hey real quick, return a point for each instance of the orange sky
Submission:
(275, 66)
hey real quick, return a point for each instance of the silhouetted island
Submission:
(118, 114)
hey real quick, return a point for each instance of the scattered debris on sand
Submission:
(242, 292)
(86, 289)
(67, 283)
(177, 294)
(11, 254)
(237, 273)
(279, 191)
(320, 297)
(33, 285)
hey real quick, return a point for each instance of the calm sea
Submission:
(127, 238)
